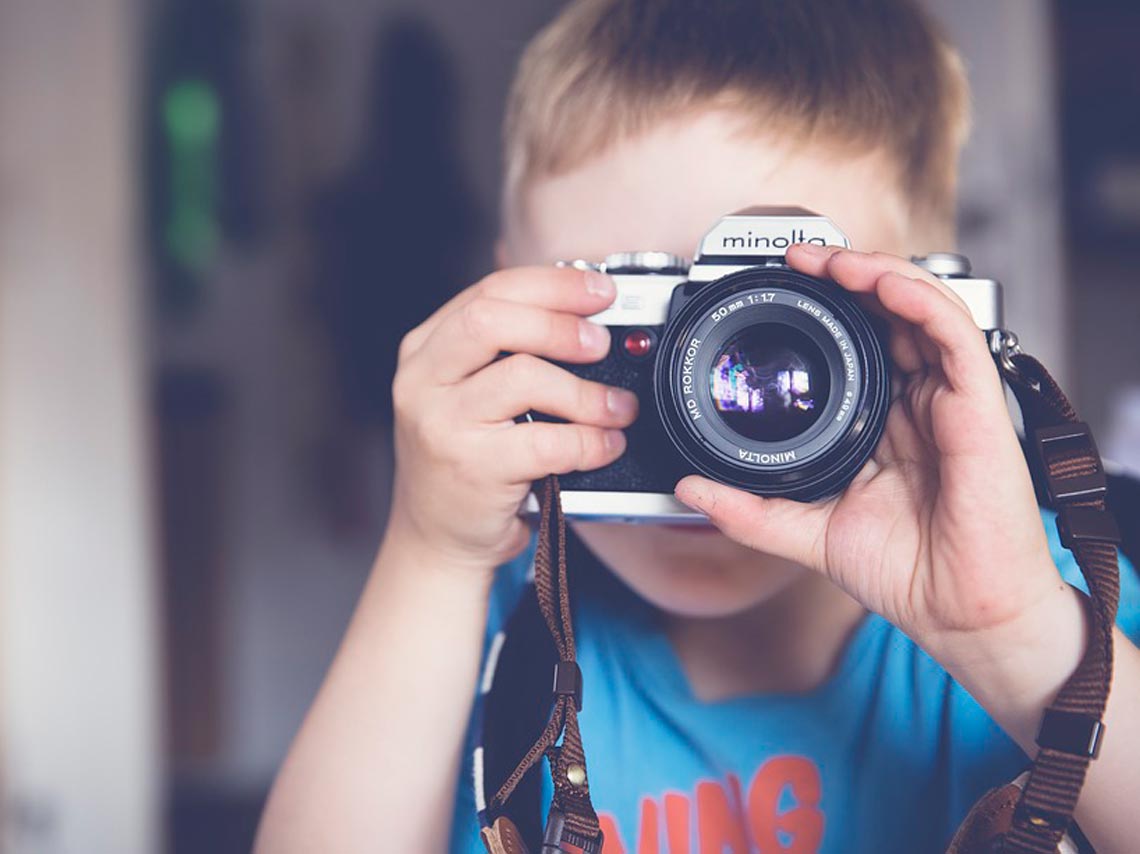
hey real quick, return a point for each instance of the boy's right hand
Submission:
(463, 464)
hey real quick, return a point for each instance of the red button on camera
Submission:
(638, 343)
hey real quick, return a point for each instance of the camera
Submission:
(748, 372)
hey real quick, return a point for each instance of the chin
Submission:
(687, 572)
(699, 600)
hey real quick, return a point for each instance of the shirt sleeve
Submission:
(510, 582)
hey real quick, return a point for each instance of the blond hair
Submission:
(869, 75)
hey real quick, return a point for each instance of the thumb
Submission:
(777, 526)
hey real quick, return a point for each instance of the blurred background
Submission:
(210, 244)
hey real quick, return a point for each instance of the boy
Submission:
(739, 695)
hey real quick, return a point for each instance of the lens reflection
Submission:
(770, 383)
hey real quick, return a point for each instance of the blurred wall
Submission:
(80, 758)
(1010, 214)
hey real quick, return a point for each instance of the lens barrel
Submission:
(774, 382)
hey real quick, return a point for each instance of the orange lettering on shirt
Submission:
(677, 822)
(611, 836)
(720, 824)
(803, 823)
(647, 837)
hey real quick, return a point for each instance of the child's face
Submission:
(662, 191)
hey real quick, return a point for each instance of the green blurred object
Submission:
(192, 122)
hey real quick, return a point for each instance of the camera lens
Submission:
(772, 381)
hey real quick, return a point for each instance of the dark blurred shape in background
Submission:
(1099, 74)
(400, 232)
(396, 236)
(314, 179)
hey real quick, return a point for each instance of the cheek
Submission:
(687, 573)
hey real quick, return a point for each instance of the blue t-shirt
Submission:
(887, 755)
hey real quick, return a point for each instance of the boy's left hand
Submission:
(940, 531)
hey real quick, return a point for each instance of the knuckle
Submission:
(582, 448)
(477, 318)
(491, 284)
(558, 329)
(957, 300)
(949, 297)
(837, 259)
(592, 400)
(400, 397)
(405, 396)
(521, 369)
(591, 450)
(547, 448)
(409, 343)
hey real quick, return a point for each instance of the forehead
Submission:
(665, 188)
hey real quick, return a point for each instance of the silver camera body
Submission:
(659, 293)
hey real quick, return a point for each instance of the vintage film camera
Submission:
(748, 372)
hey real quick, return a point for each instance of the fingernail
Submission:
(615, 441)
(813, 249)
(592, 336)
(621, 402)
(683, 493)
(599, 284)
(690, 494)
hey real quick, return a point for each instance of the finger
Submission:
(532, 450)
(472, 336)
(582, 292)
(857, 271)
(809, 258)
(860, 272)
(517, 384)
(908, 355)
(776, 526)
(961, 349)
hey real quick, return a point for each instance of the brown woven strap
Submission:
(1068, 468)
(572, 818)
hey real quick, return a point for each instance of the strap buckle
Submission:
(1073, 441)
(1061, 439)
(1078, 525)
(1071, 732)
(557, 838)
(568, 680)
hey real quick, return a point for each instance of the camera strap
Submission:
(1030, 816)
(571, 823)
(1067, 469)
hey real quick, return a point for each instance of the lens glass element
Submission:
(770, 382)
